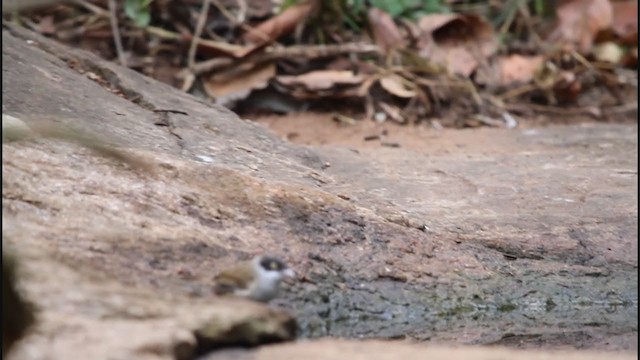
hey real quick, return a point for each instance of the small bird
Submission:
(258, 279)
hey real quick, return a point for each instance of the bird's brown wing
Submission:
(228, 281)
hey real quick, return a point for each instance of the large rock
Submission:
(386, 350)
(530, 243)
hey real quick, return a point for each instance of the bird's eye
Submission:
(274, 266)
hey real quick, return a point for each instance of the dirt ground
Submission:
(316, 129)
(524, 238)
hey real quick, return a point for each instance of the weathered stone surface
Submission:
(13, 128)
(529, 238)
(273, 326)
(384, 350)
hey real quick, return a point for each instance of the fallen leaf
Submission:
(281, 24)
(579, 21)
(344, 120)
(459, 42)
(519, 69)
(217, 48)
(385, 32)
(625, 20)
(394, 112)
(238, 85)
(433, 22)
(321, 79)
(395, 86)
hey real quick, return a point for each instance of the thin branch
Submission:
(517, 91)
(91, 7)
(296, 51)
(240, 20)
(113, 17)
(593, 111)
(242, 10)
(202, 18)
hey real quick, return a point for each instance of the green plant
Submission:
(352, 14)
(412, 9)
(138, 11)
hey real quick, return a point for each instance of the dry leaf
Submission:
(280, 24)
(625, 20)
(385, 32)
(579, 21)
(394, 112)
(459, 42)
(519, 69)
(238, 85)
(321, 79)
(396, 86)
(217, 48)
(363, 89)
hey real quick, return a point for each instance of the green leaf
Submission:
(138, 11)
(410, 8)
(143, 19)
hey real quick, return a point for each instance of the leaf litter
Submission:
(448, 65)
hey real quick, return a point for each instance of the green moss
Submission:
(508, 307)
(550, 304)
(457, 310)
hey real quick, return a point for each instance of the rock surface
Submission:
(385, 350)
(528, 241)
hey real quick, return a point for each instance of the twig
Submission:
(443, 83)
(240, 20)
(188, 79)
(113, 17)
(585, 110)
(620, 109)
(202, 18)
(226, 13)
(91, 7)
(165, 34)
(300, 51)
(170, 111)
(581, 59)
(517, 91)
(526, 16)
(511, 15)
(11, 6)
(464, 84)
(242, 10)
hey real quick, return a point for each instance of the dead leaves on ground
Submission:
(229, 87)
(579, 21)
(398, 69)
(461, 42)
(281, 24)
